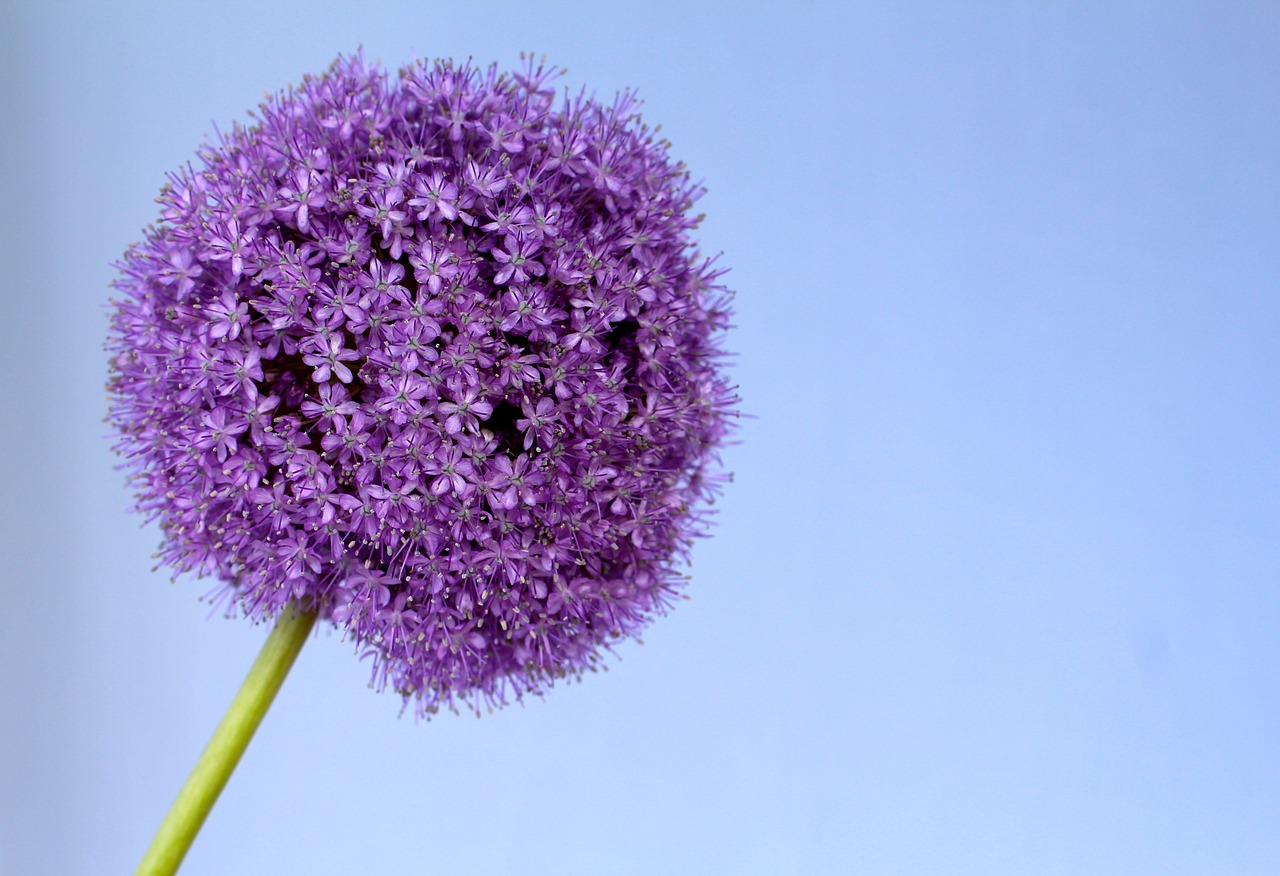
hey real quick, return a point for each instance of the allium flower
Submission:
(437, 358)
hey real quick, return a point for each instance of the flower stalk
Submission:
(229, 741)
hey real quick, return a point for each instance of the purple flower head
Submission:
(436, 357)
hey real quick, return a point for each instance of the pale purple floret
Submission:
(437, 357)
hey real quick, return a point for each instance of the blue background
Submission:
(995, 590)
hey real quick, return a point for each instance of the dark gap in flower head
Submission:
(621, 334)
(409, 281)
(289, 234)
(516, 341)
(282, 364)
(356, 388)
(502, 423)
(272, 475)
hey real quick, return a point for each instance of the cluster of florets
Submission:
(436, 358)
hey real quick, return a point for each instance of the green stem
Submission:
(229, 741)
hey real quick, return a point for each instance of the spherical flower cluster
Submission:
(437, 358)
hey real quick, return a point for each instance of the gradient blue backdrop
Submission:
(995, 590)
